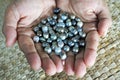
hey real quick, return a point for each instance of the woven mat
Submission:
(13, 64)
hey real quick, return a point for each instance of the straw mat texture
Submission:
(14, 66)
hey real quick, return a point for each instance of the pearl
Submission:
(53, 36)
(60, 43)
(80, 24)
(63, 55)
(82, 43)
(68, 23)
(66, 48)
(49, 40)
(45, 28)
(60, 20)
(39, 33)
(54, 44)
(35, 29)
(43, 21)
(48, 49)
(75, 49)
(72, 16)
(74, 22)
(56, 10)
(82, 34)
(70, 43)
(77, 19)
(45, 44)
(62, 36)
(63, 16)
(36, 39)
(57, 50)
(42, 39)
(55, 17)
(60, 24)
(52, 22)
(46, 35)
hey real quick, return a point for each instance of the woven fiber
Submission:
(14, 66)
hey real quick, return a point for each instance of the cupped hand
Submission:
(96, 16)
(20, 16)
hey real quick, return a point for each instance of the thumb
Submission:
(105, 21)
(10, 24)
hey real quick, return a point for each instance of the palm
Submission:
(86, 10)
(20, 17)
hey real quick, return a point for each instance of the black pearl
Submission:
(56, 10)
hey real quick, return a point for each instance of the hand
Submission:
(95, 15)
(19, 19)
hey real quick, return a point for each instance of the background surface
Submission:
(13, 64)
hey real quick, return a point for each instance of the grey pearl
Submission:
(53, 36)
(71, 28)
(82, 34)
(60, 20)
(82, 43)
(74, 31)
(36, 39)
(57, 50)
(42, 39)
(66, 48)
(63, 55)
(62, 36)
(49, 40)
(49, 18)
(45, 28)
(43, 21)
(77, 19)
(68, 23)
(60, 24)
(72, 16)
(35, 29)
(60, 43)
(46, 35)
(39, 33)
(70, 43)
(45, 44)
(64, 16)
(75, 49)
(65, 41)
(55, 16)
(52, 22)
(60, 29)
(76, 38)
(74, 22)
(70, 34)
(79, 24)
(54, 45)
(48, 49)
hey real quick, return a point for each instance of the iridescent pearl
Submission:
(66, 48)
(55, 16)
(56, 10)
(43, 21)
(82, 43)
(48, 49)
(57, 50)
(63, 16)
(63, 55)
(46, 35)
(53, 36)
(77, 19)
(72, 16)
(42, 39)
(70, 43)
(60, 24)
(35, 29)
(36, 39)
(79, 24)
(39, 33)
(60, 43)
(75, 49)
(45, 44)
(45, 28)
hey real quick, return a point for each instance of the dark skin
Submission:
(22, 15)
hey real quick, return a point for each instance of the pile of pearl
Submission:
(60, 33)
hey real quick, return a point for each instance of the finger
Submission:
(105, 21)
(58, 62)
(92, 41)
(69, 64)
(47, 64)
(80, 67)
(10, 25)
(27, 46)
